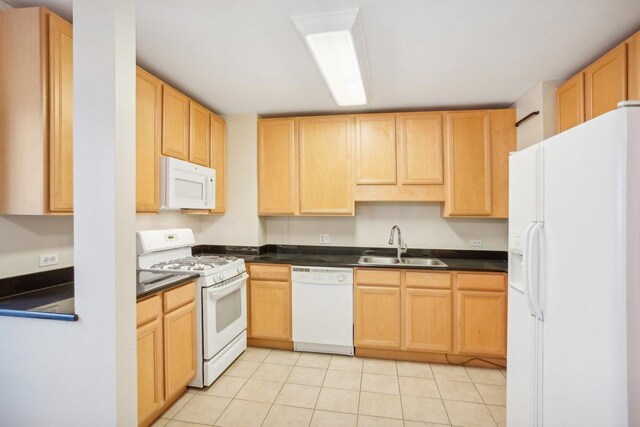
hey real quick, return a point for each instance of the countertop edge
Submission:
(68, 317)
(178, 282)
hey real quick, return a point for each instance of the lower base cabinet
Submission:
(269, 303)
(419, 312)
(166, 338)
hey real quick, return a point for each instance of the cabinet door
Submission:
(148, 140)
(270, 308)
(606, 82)
(420, 143)
(199, 134)
(219, 160)
(61, 115)
(377, 316)
(150, 366)
(375, 149)
(179, 348)
(570, 103)
(633, 67)
(428, 319)
(482, 323)
(503, 141)
(326, 183)
(175, 123)
(277, 167)
(469, 164)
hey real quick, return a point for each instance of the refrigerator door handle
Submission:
(532, 271)
(526, 267)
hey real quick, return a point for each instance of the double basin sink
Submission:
(383, 260)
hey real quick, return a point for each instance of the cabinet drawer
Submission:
(421, 279)
(377, 277)
(481, 282)
(148, 309)
(179, 296)
(270, 272)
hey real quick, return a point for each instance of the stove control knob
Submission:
(341, 278)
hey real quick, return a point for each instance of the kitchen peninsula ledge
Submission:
(345, 256)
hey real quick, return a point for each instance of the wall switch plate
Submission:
(324, 239)
(49, 259)
(476, 243)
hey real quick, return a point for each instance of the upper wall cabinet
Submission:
(325, 165)
(277, 167)
(478, 146)
(219, 160)
(375, 149)
(175, 123)
(399, 157)
(199, 134)
(597, 89)
(469, 161)
(304, 163)
(148, 140)
(36, 112)
(570, 102)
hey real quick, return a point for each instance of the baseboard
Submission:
(266, 343)
(418, 356)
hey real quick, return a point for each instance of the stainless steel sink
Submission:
(417, 262)
(378, 260)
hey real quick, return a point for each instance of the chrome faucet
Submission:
(402, 246)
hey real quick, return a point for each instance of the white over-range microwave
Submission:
(185, 185)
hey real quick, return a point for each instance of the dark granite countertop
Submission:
(44, 295)
(149, 282)
(458, 260)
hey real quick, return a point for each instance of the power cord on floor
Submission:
(446, 356)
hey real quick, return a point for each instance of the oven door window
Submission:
(228, 310)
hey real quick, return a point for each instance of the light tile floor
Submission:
(283, 388)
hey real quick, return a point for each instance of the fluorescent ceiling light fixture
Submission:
(337, 45)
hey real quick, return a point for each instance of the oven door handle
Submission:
(213, 292)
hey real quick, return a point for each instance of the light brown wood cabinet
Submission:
(325, 165)
(425, 312)
(219, 160)
(150, 359)
(599, 87)
(61, 111)
(606, 82)
(570, 102)
(277, 167)
(199, 134)
(148, 141)
(36, 112)
(304, 167)
(269, 302)
(166, 339)
(375, 155)
(175, 123)
(481, 314)
(399, 157)
(477, 152)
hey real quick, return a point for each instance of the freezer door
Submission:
(583, 282)
(523, 208)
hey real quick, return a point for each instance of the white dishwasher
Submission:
(322, 305)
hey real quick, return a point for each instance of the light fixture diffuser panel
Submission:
(331, 39)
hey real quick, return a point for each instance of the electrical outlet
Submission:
(476, 242)
(47, 260)
(324, 239)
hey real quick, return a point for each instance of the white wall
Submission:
(540, 97)
(421, 223)
(240, 225)
(24, 238)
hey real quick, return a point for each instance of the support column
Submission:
(104, 202)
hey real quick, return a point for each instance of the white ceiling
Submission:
(247, 56)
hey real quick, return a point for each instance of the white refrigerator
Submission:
(573, 349)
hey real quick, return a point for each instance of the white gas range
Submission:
(221, 297)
